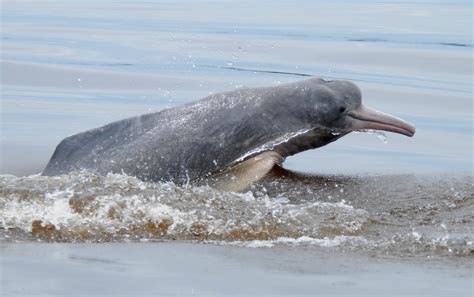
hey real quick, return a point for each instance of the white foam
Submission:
(84, 202)
(303, 240)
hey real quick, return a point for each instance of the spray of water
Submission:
(380, 134)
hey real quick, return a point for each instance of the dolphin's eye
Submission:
(342, 109)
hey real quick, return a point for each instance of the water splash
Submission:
(86, 207)
(380, 134)
(388, 215)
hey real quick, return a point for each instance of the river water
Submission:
(75, 65)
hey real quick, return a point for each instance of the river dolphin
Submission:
(232, 138)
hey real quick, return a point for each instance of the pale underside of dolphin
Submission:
(230, 139)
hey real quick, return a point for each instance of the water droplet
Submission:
(380, 134)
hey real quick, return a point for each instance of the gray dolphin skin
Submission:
(235, 137)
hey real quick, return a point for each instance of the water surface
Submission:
(72, 66)
(75, 65)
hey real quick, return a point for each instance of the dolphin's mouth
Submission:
(364, 118)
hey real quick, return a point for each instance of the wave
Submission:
(347, 212)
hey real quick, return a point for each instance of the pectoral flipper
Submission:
(242, 175)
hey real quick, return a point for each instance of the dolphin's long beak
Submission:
(367, 118)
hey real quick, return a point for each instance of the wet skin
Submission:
(208, 136)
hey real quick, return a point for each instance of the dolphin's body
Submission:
(242, 132)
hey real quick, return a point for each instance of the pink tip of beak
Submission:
(365, 118)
